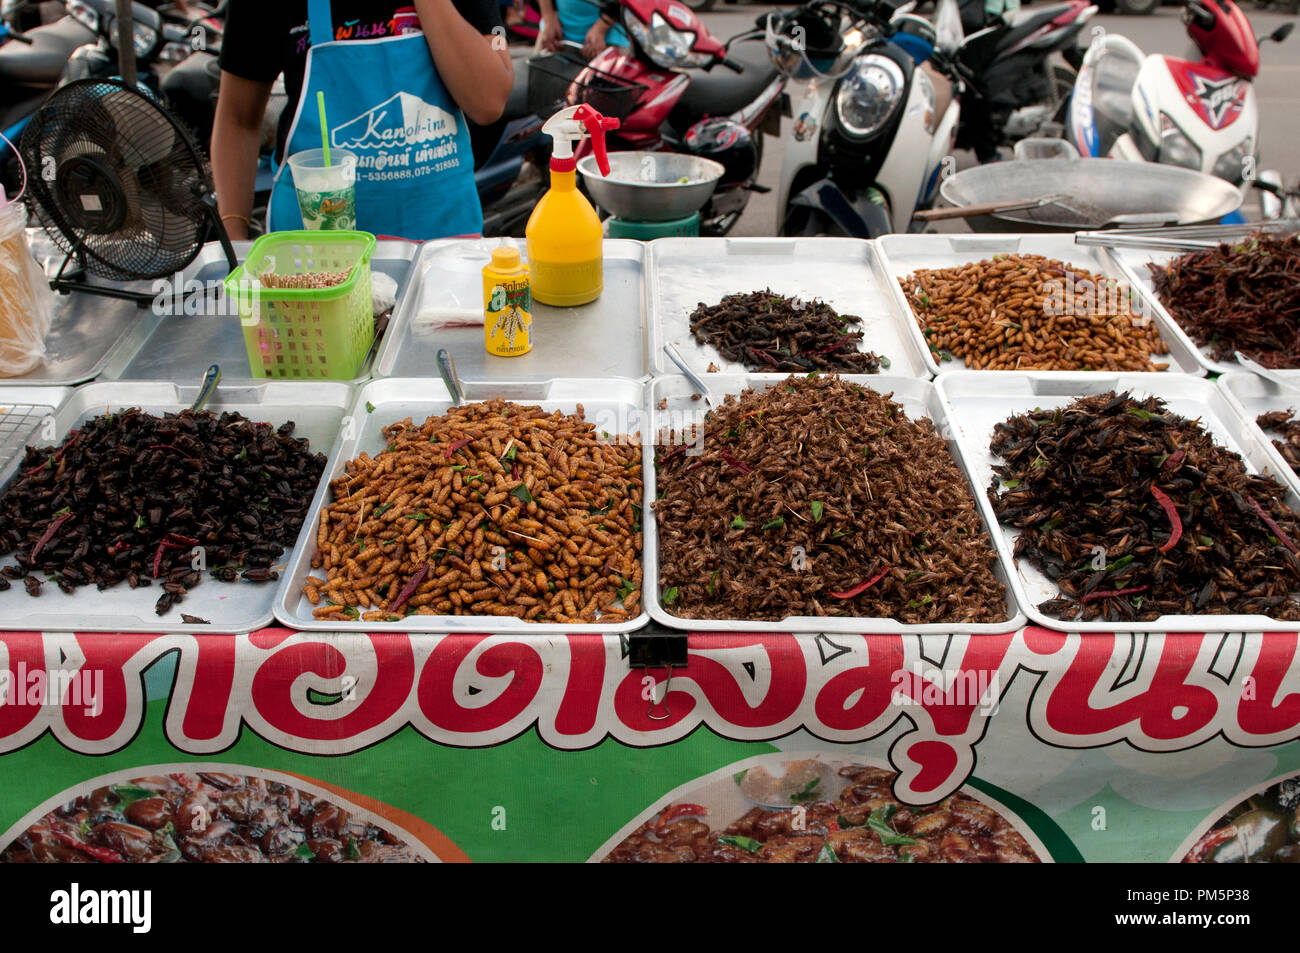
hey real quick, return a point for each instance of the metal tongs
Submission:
(675, 356)
(1264, 372)
(447, 368)
(1181, 237)
(211, 378)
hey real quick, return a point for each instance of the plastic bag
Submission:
(26, 301)
(948, 29)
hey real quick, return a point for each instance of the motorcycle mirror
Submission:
(1282, 32)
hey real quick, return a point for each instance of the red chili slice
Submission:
(861, 587)
(1174, 461)
(675, 811)
(1112, 593)
(101, 854)
(49, 534)
(464, 441)
(408, 590)
(1175, 523)
(742, 467)
(1277, 530)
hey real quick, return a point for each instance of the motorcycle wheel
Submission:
(1136, 7)
(700, 6)
(1063, 78)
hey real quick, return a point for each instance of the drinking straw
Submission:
(324, 128)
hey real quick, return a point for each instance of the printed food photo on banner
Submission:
(211, 815)
(1261, 828)
(784, 808)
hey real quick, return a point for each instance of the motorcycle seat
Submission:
(43, 61)
(517, 101)
(1021, 23)
(720, 91)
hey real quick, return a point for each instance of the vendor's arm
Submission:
(475, 68)
(552, 32)
(236, 139)
(595, 40)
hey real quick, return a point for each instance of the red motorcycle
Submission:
(668, 96)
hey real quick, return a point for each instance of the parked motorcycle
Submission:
(1200, 114)
(869, 138)
(1018, 75)
(31, 64)
(668, 94)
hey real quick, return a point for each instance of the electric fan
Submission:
(119, 185)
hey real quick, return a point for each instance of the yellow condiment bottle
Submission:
(564, 235)
(507, 304)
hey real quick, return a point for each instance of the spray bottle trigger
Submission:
(597, 125)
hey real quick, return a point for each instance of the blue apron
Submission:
(388, 106)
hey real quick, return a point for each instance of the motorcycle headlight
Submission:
(868, 94)
(143, 38)
(1175, 147)
(1232, 164)
(666, 45)
(84, 15)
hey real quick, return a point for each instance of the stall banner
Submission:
(1104, 747)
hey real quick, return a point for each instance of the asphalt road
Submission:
(1277, 88)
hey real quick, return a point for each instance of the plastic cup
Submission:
(327, 194)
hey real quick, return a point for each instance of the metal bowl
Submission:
(648, 186)
(1095, 190)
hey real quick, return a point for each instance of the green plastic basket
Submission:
(306, 333)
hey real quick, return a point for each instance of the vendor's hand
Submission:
(595, 39)
(552, 34)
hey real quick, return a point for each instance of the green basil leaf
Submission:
(879, 822)
(818, 510)
(521, 493)
(744, 843)
(774, 524)
(826, 856)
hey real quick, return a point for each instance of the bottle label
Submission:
(559, 280)
(508, 325)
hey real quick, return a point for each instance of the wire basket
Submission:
(301, 333)
(553, 84)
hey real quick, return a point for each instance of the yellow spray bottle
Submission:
(564, 237)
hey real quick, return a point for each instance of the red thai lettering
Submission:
(209, 695)
(108, 714)
(1168, 709)
(855, 698)
(719, 685)
(26, 651)
(274, 699)
(437, 698)
(580, 705)
(1258, 711)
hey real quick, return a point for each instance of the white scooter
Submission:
(871, 131)
(1200, 114)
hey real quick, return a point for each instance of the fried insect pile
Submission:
(491, 509)
(1134, 512)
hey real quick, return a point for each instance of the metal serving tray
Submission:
(612, 405)
(1251, 395)
(87, 333)
(904, 254)
(846, 273)
(317, 408)
(919, 399)
(978, 400)
(180, 347)
(444, 308)
(1132, 262)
